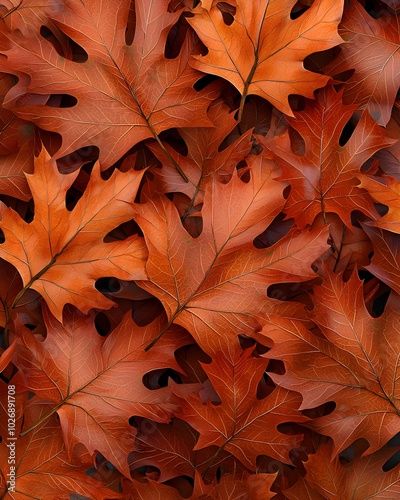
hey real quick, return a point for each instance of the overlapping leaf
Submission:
(335, 481)
(95, 404)
(60, 254)
(324, 178)
(215, 285)
(372, 49)
(42, 468)
(262, 51)
(115, 107)
(355, 363)
(242, 425)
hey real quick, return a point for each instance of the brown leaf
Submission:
(376, 78)
(324, 179)
(241, 424)
(41, 466)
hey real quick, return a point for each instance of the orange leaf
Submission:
(60, 254)
(242, 424)
(215, 285)
(324, 179)
(372, 50)
(262, 51)
(41, 466)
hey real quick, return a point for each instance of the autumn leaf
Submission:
(59, 254)
(241, 425)
(204, 157)
(199, 249)
(16, 145)
(28, 15)
(92, 409)
(376, 78)
(385, 263)
(114, 108)
(170, 448)
(349, 247)
(324, 179)
(262, 51)
(336, 482)
(198, 279)
(42, 469)
(249, 486)
(355, 363)
(385, 190)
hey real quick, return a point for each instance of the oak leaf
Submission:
(204, 157)
(242, 424)
(385, 190)
(262, 51)
(125, 93)
(60, 254)
(95, 403)
(198, 279)
(27, 14)
(324, 179)
(170, 448)
(376, 79)
(385, 263)
(355, 363)
(236, 486)
(42, 468)
(337, 482)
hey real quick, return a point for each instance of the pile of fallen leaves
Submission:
(199, 249)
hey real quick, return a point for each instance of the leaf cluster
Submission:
(199, 249)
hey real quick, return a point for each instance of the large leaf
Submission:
(60, 254)
(115, 108)
(385, 263)
(204, 157)
(337, 482)
(355, 363)
(262, 51)
(387, 193)
(170, 448)
(198, 280)
(95, 383)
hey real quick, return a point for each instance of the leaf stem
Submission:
(12, 10)
(166, 152)
(157, 338)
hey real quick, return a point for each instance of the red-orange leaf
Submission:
(372, 49)
(215, 285)
(324, 178)
(361, 479)
(385, 263)
(41, 466)
(385, 190)
(95, 383)
(242, 424)
(125, 93)
(355, 363)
